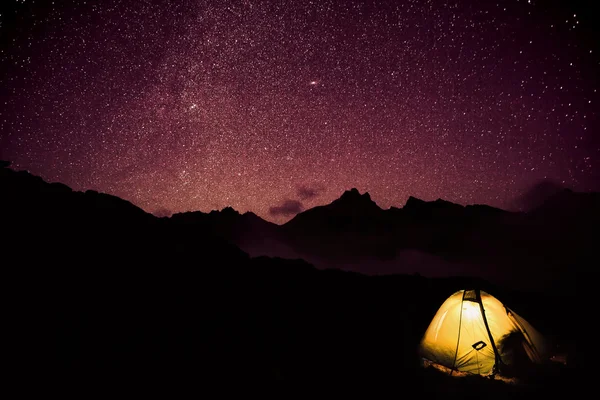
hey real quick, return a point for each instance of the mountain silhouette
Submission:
(440, 238)
(104, 295)
(351, 211)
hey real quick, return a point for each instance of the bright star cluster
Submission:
(198, 105)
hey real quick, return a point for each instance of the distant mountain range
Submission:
(542, 248)
(102, 292)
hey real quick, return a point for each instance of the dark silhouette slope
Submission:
(103, 295)
(248, 231)
(542, 249)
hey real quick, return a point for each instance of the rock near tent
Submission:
(473, 332)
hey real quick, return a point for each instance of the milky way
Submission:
(278, 106)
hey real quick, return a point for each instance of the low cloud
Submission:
(287, 208)
(291, 207)
(306, 192)
(162, 212)
(537, 194)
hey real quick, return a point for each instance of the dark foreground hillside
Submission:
(107, 297)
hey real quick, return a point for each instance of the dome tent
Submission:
(474, 332)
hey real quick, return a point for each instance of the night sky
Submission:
(278, 106)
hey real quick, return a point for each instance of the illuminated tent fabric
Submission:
(472, 331)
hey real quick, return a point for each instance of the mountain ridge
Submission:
(100, 288)
(352, 233)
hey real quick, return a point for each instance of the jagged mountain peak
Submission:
(414, 203)
(229, 211)
(353, 197)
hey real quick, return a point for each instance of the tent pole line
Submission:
(487, 328)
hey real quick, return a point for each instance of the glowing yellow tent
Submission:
(474, 332)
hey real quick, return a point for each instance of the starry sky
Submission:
(278, 106)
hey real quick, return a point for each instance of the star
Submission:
(424, 100)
